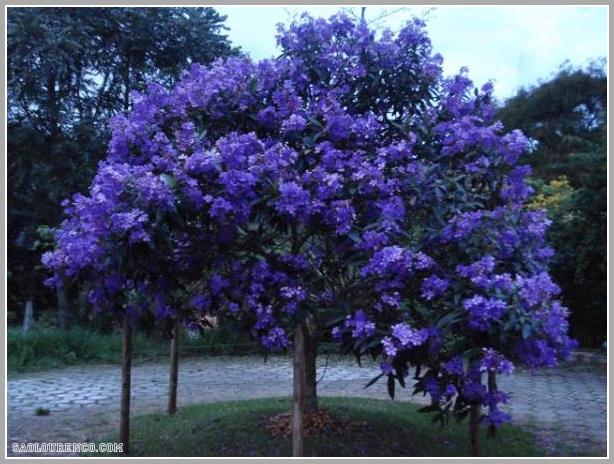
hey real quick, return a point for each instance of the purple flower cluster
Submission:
(403, 337)
(434, 286)
(454, 366)
(483, 310)
(495, 362)
(395, 261)
(360, 325)
(275, 340)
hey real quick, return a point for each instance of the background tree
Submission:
(566, 119)
(562, 116)
(69, 70)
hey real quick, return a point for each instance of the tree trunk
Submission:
(127, 87)
(63, 307)
(28, 315)
(52, 106)
(474, 429)
(311, 394)
(83, 304)
(174, 374)
(298, 386)
(492, 387)
(124, 424)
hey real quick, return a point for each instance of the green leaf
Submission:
(374, 379)
(169, 180)
(335, 320)
(449, 319)
(391, 386)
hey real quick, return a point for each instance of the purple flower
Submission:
(220, 208)
(201, 302)
(516, 188)
(292, 198)
(293, 296)
(482, 311)
(434, 286)
(537, 289)
(295, 123)
(392, 212)
(359, 323)
(515, 144)
(477, 269)
(407, 336)
(162, 309)
(338, 127)
(396, 260)
(462, 225)
(493, 361)
(454, 366)
(372, 240)
(433, 388)
(386, 368)
(390, 347)
(391, 299)
(341, 215)
(275, 339)
(233, 307)
(473, 391)
(496, 418)
(535, 353)
(494, 398)
(218, 284)
(450, 390)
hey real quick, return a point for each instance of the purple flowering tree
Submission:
(344, 190)
(128, 240)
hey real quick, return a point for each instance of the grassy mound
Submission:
(372, 428)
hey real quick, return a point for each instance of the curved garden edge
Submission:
(370, 428)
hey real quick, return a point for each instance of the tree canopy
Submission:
(347, 180)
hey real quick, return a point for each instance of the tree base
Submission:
(320, 422)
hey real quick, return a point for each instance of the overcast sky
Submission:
(513, 46)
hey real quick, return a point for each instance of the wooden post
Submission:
(474, 429)
(174, 374)
(82, 303)
(28, 315)
(63, 306)
(124, 421)
(310, 400)
(492, 388)
(298, 386)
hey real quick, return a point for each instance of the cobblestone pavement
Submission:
(564, 404)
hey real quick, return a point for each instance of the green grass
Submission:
(49, 347)
(382, 428)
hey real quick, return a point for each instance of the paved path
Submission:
(568, 403)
